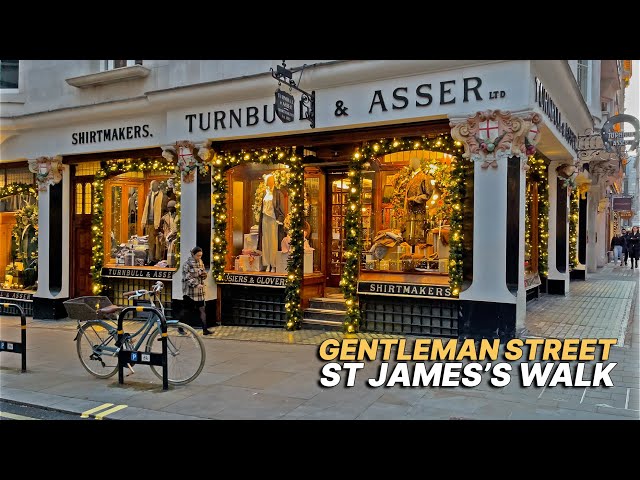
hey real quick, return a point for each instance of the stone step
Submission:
(316, 324)
(328, 303)
(325, 314)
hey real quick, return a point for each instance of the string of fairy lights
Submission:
(538, 170)
(221, 162)
(574, 208)
(108, 169)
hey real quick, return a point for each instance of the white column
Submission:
(521, 299)
(603, 243)
(44, 239)
(188, 207)
(553, 273)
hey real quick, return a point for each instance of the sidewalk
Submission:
(264, 373)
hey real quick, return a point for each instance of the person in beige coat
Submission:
(151, 219)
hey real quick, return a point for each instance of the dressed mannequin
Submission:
(270, 224)
(151, 217)
(419, 190)
(168, 225)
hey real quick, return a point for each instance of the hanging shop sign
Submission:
(285, 102)
(404, 289)
(621, 203)
(255, 279)
(285, 106)
(110, 272)
(626, 213)
(548, 106)
(612, 139)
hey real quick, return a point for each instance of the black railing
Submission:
(17, 347)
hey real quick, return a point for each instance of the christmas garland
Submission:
(221, 163)
(18, 189)
(574, 208)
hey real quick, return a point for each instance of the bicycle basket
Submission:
(84, 308)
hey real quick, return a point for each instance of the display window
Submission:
(406, 212)
(19, 238)
(141, 220)
(258, 237)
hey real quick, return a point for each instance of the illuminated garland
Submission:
(107, 169)
(222, 161)
(353, 227)
(18, 189)
(538, 174)
(574, 208)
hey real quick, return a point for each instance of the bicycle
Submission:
(97, 342)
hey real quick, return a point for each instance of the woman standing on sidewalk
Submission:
(633, 245)
(617, 244)
(193, 276)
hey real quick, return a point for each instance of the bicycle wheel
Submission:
(185, 353)
(92, 336)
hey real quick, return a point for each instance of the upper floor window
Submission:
(583, 78)
(111, 64)
(9, 74)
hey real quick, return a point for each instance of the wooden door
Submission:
(81, 208)
(338, 187)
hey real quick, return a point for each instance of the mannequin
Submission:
(151, 217)
(419, 190)
(270, 224)
(168, 225)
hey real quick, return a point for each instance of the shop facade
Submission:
(425, 200)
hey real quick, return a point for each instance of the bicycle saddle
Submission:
(109, 310)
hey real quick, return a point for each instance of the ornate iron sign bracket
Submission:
(307, 100)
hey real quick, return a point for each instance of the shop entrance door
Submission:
(338, 186)
(81, 208)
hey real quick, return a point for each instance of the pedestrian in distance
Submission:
(617, 243)
(625, 249)
(633, 245)
(193, 277)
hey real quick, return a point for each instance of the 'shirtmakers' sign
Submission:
(110, 134)
(404, 289)
(611, 138)
(113, 272)
(285, 106)
(254, 279)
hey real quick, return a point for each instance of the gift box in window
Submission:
(250, 261)
(406, 263)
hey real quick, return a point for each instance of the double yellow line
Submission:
(103, 413)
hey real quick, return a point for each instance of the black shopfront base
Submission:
(178, 313)
(252, 306)
(49, 308)
(413, 316)
(556, 287)
(577, 274)
(488, 320)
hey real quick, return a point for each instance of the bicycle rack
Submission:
(132, 357)
(17, 347)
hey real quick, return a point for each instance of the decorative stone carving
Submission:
(493, 135)
(188, 160)
(48, 171)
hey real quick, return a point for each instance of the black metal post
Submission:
(163, 330)
(22, 346)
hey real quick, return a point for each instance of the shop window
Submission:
(19, 175)
(84, 199)
(265, 189)
(406, 211)
(140, 219)
(19, 242)
(9, 70)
